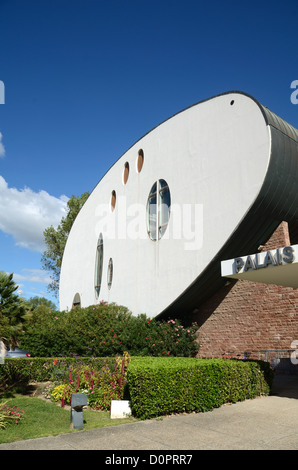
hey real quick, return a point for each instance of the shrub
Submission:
(60, 333)
(18, 372)
(102, 379)
(100, 385)
(106, 386)
(108, 329)
(14, 375)
(159, 386)
(62, 393)
(150, 337)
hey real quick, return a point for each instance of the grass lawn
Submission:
(43, 418)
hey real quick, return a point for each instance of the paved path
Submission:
(261, 424)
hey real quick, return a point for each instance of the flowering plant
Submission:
(62, 392)
(100, 385)
(10, 414)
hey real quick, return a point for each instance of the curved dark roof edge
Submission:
(277, 201)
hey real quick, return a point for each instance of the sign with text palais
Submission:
(278, 266)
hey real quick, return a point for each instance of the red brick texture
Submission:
(249, 317)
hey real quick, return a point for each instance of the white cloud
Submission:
(28, 278)
(2, 149)
(32, 275)
(25, 214)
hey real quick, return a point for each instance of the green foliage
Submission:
(12, 311)
(160, 386)
(18, 372)
(108, 329)
(155, 386)
(101, 385)
(101, 379)
(38, 302)
(55, 240)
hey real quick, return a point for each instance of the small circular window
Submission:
(113, 200)
(125, 173)
(140, 160)
(110, 273)
(158, 209)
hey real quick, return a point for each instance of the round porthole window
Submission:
(158, 209)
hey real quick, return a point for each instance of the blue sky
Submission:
(85, 79)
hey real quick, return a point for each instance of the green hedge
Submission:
(161, 386)
(156, 385)
(21, 371)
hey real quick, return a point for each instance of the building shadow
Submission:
(285, 385)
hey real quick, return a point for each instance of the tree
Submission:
(34, 302)
(55, 240)
(12, 311)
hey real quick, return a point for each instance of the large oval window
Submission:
(158, 209)
(98, 266)
(110, 273)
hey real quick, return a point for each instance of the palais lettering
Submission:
(267, 259)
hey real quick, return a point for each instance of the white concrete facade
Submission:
(214, 157)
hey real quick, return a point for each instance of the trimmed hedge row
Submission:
(161, 386)
(158, 386)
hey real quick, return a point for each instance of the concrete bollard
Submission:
(78, 401)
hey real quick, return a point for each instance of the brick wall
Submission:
(245, 316)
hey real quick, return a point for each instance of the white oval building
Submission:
(212, 181)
